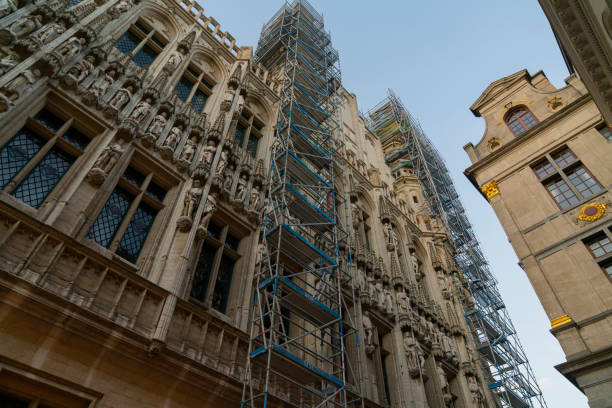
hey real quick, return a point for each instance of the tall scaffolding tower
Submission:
(297, 347)
(504, 364)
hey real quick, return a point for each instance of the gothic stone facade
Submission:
(134, 143)
(544, 164)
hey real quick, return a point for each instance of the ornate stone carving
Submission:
(99, 86)
(368, 329)
(21, 27)
(490, 189)
(8, 62)
(190, 203)
(14, 89)
(592, 212)
(175, 135)
(141, 110)
(155, 128)
(209, 208)
(7, 7)
(105, 163)
(79, 71)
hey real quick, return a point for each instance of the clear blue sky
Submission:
(438, 56)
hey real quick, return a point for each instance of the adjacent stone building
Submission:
(545, 165)
(135, 139)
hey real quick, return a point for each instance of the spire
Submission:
(235, 78)
(186, 43)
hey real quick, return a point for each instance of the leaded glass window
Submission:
(126, 219)
(215, 267)
(59, 144)
(223, 284)
(43, 178)
(144, 43)
(248, 132)
(239, 134)
(195, 87)
(565, 178)
(74, 2)
(252, 145)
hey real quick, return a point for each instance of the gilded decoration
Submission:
(560, 321)
(555, 103)
(592, 212)
(493, 143)
(490, 189)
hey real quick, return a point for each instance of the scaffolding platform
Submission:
(302, 208)
(291, 366)
(512, 398)
(299, 172)
(299, 301)
(296, 248)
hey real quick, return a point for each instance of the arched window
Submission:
(520, 119)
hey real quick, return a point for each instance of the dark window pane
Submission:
(239, 134)
(10, 401)
(134, 176)
(142, 28)
(158, 42)
(252, 145)
(145, 56)
(600, 245)
(223, 284)
(136, 233)
(17, 153)
(127, 42)
(156, 191)
(214, 230)
(544, 169)
(74, 2)
(43, 178)
(232, 242)
(202, 272)
(184, 88)
(49, 120)
(108, 221)
(192, 71)
(76, 138)
(608, 268)
(199, 101)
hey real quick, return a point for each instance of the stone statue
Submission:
(368, 328)
(192, 198)
(410, 348)
(222, 162)
(7, 7)
(189, 149)
(51, 32)
(241, 188)
(228, 178)
(25, 25)
(82, 69)
(158, 124)
(15, 87)
(255, 198)
(174, 61)
(477, 397)
(402, 302)
(389, 302)
(173, 137)
(141, 110)
(209, 208)
(209, 152)
(121, 98)
(122, 6)
(362, 283)
(109, 157)
(71, 48)
(102, 83)
(379, 296)
(8, 62)
(388, 231)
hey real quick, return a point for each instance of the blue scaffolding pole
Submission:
(297, 354)
(504, 365)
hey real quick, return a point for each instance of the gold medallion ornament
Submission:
(490, 189)
(592, 212)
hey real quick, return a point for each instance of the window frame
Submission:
(524, 125)
(254, 127)
(561, 172)
(152, 39)
(50, 140)
(604, 260)
(140, 195)
(202, 82)
(603, 129)
(221, 250)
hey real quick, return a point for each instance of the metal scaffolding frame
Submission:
(300, 324)
(504, 364)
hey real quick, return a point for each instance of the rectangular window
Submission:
(566, 178)
(606, 132)
(600, 247)
(145, 41)
(62, 143)
(252, 145)
(239, 134)
(216, 279)
(193, 80)
(203, 271)
(124, 222)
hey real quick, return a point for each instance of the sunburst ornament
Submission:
(592, 212)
